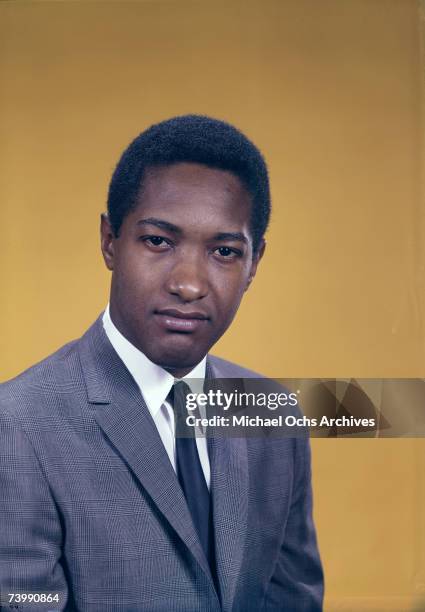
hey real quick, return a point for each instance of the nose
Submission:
(188, 279)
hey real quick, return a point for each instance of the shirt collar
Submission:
(153, 381)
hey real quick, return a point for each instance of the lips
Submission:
(172, 319)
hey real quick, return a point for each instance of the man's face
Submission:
(181, 263)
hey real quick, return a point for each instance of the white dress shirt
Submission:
(155, 384)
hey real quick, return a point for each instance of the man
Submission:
(103, 507)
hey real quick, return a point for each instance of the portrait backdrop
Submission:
(333, 93)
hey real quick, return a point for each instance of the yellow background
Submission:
(332, 92)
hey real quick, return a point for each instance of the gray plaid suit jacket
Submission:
(91, 508)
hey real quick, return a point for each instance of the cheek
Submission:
(134, 280)
(231, 294)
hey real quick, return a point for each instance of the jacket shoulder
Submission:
(56, 375)
(227, 369)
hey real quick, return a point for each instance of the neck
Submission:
(177, 372)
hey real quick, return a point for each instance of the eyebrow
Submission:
(165, 225)
(170, 227)
(231, 236)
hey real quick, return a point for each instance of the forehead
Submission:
(194, 193)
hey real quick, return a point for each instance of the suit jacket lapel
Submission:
(120, 411)
(229, 490)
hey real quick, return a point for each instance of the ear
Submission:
(107, 241)
(255, 261)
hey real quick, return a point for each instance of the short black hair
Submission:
(198, 139)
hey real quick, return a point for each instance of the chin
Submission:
(170, 359)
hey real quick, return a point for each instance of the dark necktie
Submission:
(189, 471)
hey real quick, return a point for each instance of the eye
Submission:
(157, 243)
(227, 252)
(156, 240)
